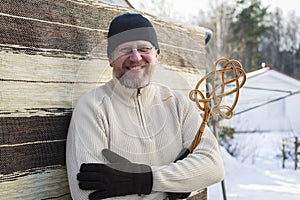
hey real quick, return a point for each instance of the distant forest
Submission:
(251, 34)
(246, 31)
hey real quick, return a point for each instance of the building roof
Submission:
(265, 86)
(273, 79)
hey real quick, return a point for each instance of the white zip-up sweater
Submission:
(150, 125)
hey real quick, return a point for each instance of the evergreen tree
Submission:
(246, 33)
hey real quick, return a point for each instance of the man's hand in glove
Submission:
(175, 195)
(115, 179)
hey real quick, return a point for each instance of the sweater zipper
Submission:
(140, 112)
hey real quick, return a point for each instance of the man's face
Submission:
(133, 63)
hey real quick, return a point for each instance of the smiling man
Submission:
(133, 63)
(132, 49)
(125, 137)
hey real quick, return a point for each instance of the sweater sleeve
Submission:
(85, 140)
(200, 169)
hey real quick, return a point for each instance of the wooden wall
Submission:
(52, 52)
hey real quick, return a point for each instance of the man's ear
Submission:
(157, 58)
(110, 60)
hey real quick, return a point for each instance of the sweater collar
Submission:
(129, 95)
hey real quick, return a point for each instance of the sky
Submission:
(204, 4)
(285, 5)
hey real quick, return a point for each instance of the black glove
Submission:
(115, 158)
(174, 195)
(115, 179)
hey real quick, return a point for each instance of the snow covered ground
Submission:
(256, 172)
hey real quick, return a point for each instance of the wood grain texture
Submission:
(44, 183)
(51, 53)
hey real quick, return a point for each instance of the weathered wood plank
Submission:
(20, 157)
(51, 53)
(72, 12)
(43, 183)
(19, 96)
(33, 141)
(44, 69)
(175, 78)
(26, 130)
(25, 32)
(27, 145)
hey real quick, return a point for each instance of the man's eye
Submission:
(145, 49)
(126, 50)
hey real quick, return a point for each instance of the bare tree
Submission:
(280, 44)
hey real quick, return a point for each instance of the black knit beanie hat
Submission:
(129, 27)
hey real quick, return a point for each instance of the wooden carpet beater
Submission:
(231, 72)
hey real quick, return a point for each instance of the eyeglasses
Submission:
(143, 50)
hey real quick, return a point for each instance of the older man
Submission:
(125, 136)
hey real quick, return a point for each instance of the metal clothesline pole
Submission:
(214, 126)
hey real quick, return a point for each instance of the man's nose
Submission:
(135, 55)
